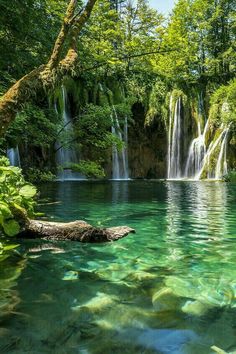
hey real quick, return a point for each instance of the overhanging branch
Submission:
(132, 56)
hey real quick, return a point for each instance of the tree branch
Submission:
(125, 57)
(79, 23)
(45, 76)
(65, 28)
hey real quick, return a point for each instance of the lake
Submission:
(168, 289)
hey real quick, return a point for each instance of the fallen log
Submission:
(73, 231)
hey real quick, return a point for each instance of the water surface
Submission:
(169, 288)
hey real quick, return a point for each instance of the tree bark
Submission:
(49, 75)
(65, 28)
(73, 231)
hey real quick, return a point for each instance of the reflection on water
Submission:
(170, 288)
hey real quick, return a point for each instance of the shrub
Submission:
(16, 198)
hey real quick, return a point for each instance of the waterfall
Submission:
(221, 166)
(120, 168)
(197, 152)
(169, 135)
(65, 156)
(174, 144)
(14, 156)
(203, 160)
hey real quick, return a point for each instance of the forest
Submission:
(117, 120)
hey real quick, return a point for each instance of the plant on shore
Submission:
(16, 198)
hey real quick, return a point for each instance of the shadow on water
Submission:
(170, 288)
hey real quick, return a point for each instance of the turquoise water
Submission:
(169, 288)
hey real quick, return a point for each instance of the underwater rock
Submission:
(165, 300)
(218, 350)
(71, 275)
(181, 287)
(142, 275)
(98, 303)
(207, 293)
(196, 308)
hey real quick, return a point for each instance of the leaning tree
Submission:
(47, 76)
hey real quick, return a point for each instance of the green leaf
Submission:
(5, 211)
(9, 247)
(11, 227)
(28, 191)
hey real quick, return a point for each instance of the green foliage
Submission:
(5, 250)
(157, 103)
(93, 126)
(128, 54)
(35, 175)
(27, 32)
(223, 104)
(201, 39)
(16, 197)
(34, 126)
(230, 177)
(89, 169)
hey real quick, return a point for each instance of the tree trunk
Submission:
(72, 231)
(21, 92)
(51, 74)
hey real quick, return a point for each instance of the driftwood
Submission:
(73, 231)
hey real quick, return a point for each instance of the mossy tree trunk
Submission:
(47, 76)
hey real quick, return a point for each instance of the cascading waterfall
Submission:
(14, 156)
(169, 136)
(174, 144)
(203, 160)
(65, 156)
(197, 152)
(221, 166)
(120, 168)
(220, 145)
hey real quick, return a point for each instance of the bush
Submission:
(223, 104)
(89, 169)
(34, 175)
(16, 198)
(230, 177)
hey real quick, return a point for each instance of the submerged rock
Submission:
(98, 303)
(196, 308)
(165, 300)
(207, 293)
(71, 275)
(142, 275)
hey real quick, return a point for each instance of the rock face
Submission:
(147, 147)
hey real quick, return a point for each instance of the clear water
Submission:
(170, 288)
